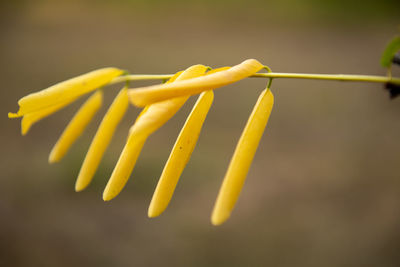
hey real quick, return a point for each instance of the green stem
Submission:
(140, 77)
(332, 77)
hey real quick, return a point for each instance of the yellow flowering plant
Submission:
(160, 103)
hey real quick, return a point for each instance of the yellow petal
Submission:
(102, 139)
(12, 115)
(76, 126)
(124, 167)
(31, 118)
(66, 91)
(242, 158)
(151, 94)
(180, 154)
(149, 121)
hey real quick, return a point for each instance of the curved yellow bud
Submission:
(102, 139)
(150, 120)
(242, 158)
(76, 126)
(124, 166)
(151, 94)
(31, 118)
(66, 91)
(180, 154)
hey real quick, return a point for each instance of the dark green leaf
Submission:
(391, 49)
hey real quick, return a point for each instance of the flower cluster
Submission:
(160, 103)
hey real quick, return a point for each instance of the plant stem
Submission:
(140, 77)
(332, 77)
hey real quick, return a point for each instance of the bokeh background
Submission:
(323, 190)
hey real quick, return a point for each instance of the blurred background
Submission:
(323, 190)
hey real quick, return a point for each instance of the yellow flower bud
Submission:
(242, 158)
(102, 139)
(66, 91)
(180, 154)
(76, 126)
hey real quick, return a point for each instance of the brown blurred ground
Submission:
(324, 188)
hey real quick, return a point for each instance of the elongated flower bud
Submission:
(31, 118)
(150, 120)
(151, 94)
(66, 91)
(242, 158)
(102, 139)
(76, 126)
(180, 154)
(124, 167)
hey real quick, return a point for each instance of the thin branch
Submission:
(331, 77)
